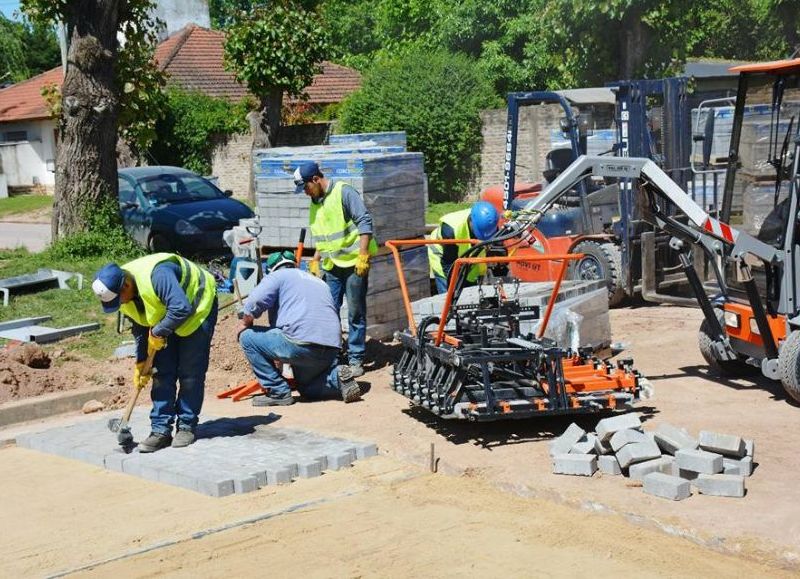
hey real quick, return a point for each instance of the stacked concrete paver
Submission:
(231, 455)
(669, 461)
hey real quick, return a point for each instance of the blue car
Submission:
(172, 209)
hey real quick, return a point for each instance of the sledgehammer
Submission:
(120, 425)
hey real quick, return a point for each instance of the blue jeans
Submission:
(342, 282)
(441, 283)
(315, 367)
(184, 360)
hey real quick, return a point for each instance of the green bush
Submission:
(190, 127)
(434, 96)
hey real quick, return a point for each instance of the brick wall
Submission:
(230, 161)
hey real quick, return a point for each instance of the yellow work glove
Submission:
(313, 267)
(362, 264)
(154, 343)
(141, 380)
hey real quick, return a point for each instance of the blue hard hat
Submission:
(484, 219)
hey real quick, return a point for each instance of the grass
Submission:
(67, 307)
(24, 204)
(436, 210)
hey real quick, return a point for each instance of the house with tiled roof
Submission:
(192, 59)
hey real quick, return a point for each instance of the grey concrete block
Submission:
(684, 474)
(245, 485)
(666, 486)
(741, 467)
(584, 447)
(640, 470)
(720, 485)
(724, 444)
(699, 461)
(638, 452)
(608, 465)
(115, 460)
(278, 477)
(575, 464)
(178, 479)
(567, 440)
(750, 447)
(627, 436)
(365, 451)
(337, 461)
(309, 469)
(215, 488)
(671, 439)
(261, 477)
(608, 426)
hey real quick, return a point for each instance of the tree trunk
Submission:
(86, 161)
(633, 43)
(264, 126)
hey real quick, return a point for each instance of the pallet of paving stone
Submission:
(389, 138)
(759, 201)
(230, 456)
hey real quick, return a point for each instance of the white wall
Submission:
(25, 162)
(178, 13)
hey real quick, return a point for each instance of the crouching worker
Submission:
(172, 303)
(304, 331)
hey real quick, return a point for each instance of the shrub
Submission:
(434, 96)
(191, 125)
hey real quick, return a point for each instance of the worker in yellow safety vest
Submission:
(342, 231)
(478, 222)
(172, 303)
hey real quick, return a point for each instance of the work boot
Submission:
(273, 400)
(184, 437)
(350, 389)
(156, 441)
(357, 369)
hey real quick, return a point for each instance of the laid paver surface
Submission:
(231, 455)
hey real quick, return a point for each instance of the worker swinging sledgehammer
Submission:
(304, 331)
(478, 222)
(172, 303)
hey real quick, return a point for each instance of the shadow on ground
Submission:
(239, 426)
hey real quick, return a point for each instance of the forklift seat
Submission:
(556, 161)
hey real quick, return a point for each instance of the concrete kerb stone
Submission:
(642, 469)
(741, 467)
(627, 436)
(671, 439)
(666, 486)
(608, 426)
(608, 464)
(567, 440)
(575, 464)
(699, 461)
(720, 485)
(638, 452)
(724, 444)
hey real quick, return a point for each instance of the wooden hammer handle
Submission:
(148, 367)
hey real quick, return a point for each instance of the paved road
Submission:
(34, 236)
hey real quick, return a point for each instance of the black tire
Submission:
(159, 243)
(789, 365)
(728, 368)
(600, 261)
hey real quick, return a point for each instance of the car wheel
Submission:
(159, 243)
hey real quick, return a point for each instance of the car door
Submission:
(133, 209)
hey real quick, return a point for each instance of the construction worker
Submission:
(478, 222)
(342, 230)
(172, 303)
(304, 331)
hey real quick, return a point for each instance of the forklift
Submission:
(600, 219)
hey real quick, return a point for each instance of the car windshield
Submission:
(172, 188)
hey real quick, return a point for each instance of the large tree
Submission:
(102, 83)
(13, 66)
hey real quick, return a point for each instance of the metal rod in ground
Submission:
(433, 458)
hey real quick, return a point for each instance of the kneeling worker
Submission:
(304, 331)
(172, 303)
(478, 222)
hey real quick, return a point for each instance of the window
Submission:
(126, 192)
(14, 136)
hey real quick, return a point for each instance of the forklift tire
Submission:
(789, 365)
(725, 368)
(600, 261)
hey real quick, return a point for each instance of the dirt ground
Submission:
(500, 493)
(380, 518)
